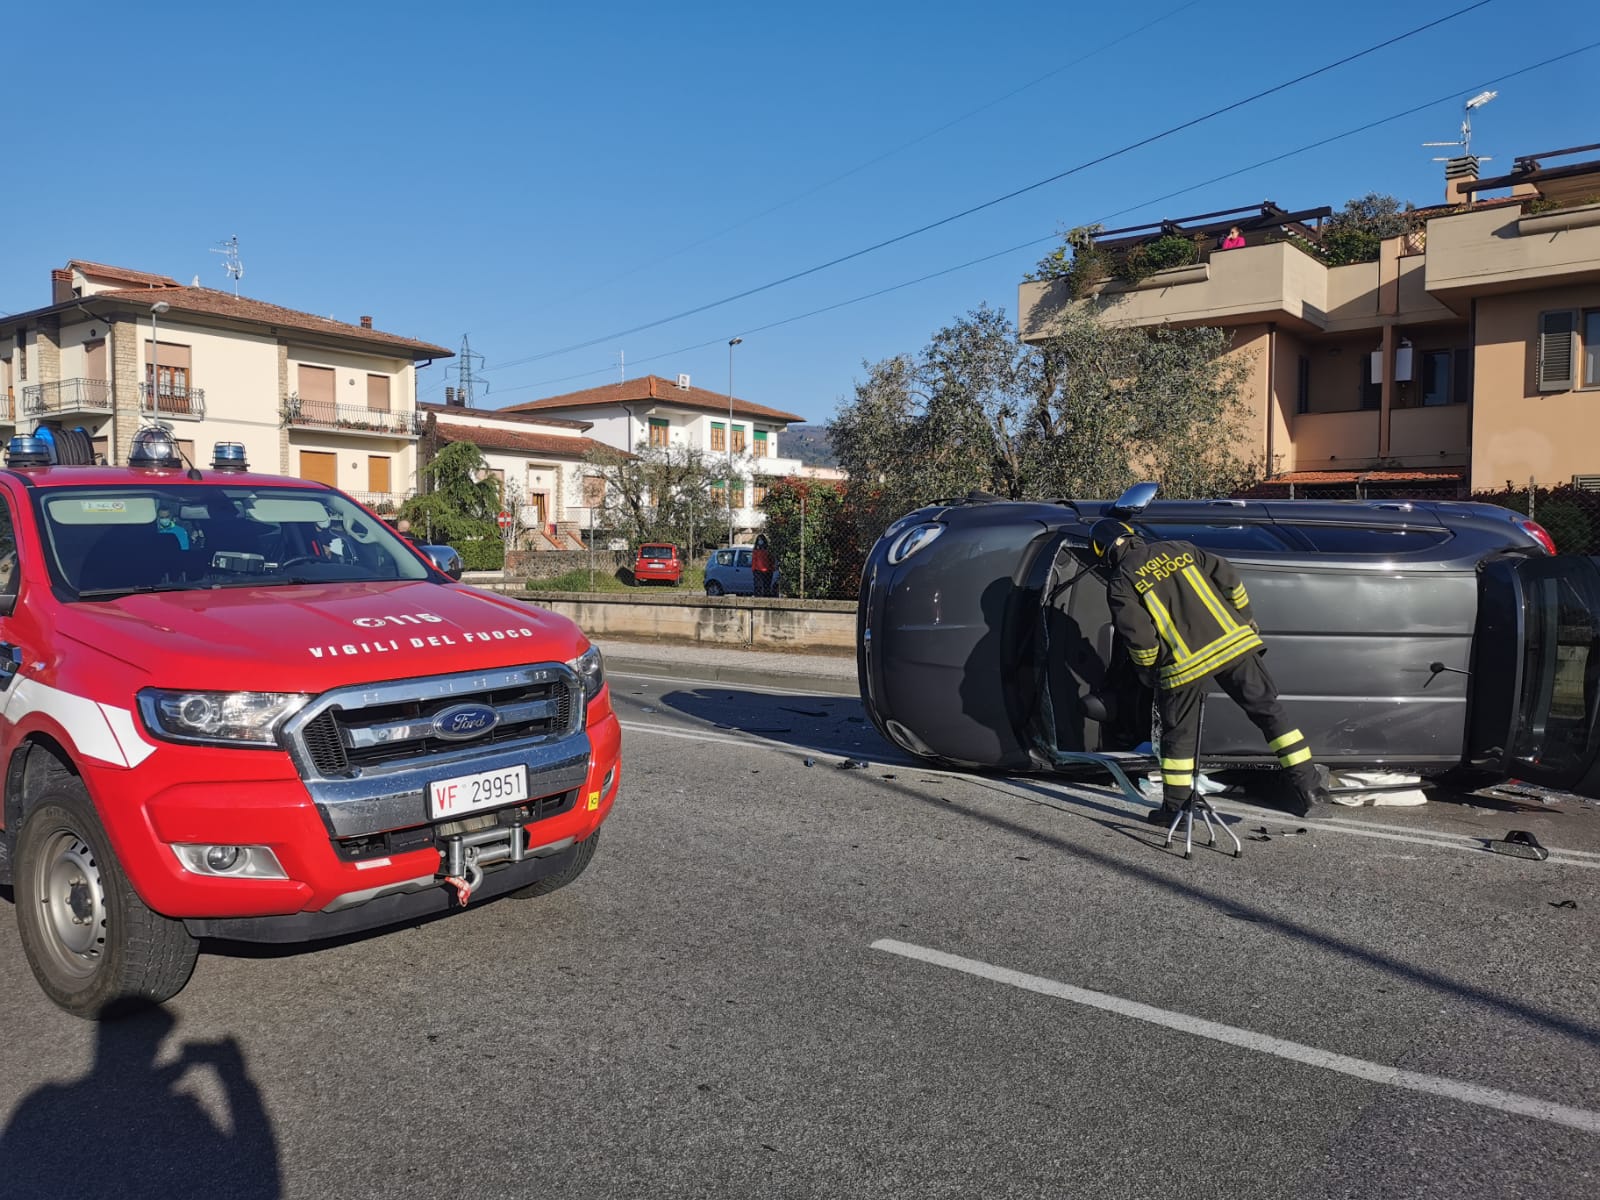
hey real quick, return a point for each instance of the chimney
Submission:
(366, 322)
(449, 397)
(1460, 173)
(60, 286)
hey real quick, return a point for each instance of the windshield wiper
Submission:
(139, 590)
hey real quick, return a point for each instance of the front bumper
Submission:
(336, 864)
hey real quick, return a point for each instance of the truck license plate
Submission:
(468, 793)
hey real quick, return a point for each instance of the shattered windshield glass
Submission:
(115, 540)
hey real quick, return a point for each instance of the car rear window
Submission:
(1225, 537)
(655, 551)
(1355, 539)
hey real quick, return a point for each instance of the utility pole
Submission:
(727, 484)
(467, 384)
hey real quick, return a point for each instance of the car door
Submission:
(744, 579)
(1535, 685)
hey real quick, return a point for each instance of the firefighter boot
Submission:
(1311, 795)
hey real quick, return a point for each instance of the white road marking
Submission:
(1439, 841)
(1468, 1093)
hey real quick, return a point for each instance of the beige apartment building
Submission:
(1466, 356)
(309, 396)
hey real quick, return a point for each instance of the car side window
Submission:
(1354, 539)
(744, 558)
(1226, 538)
(9, 576)
(724, 558)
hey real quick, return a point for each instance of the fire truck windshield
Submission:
(118, 539)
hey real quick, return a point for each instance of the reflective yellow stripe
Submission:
(1294, 735)
(1177, 780)
(1177, 764)
(1298, 756)
(1145, 658)
(1164, 626)
(1240, 599)
(1218, 654)
(1202, 588)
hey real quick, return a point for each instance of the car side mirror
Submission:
(1135, 500)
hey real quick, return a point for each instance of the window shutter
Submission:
(1556, 338)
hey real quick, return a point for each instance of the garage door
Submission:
(319, 467)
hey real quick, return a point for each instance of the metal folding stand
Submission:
(1198, 803)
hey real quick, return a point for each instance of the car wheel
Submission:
(93, 945)
(550, 883)
(713, 588)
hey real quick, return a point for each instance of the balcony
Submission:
(1336, 441)
(67, 397)
(349, 418)
(8, 409)
(1269, 282)
(1503, 249)
(382, 503)
(181, 404)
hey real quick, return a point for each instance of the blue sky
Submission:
(538, 176)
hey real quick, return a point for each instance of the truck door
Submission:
(1535, 689)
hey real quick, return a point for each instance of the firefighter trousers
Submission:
(1245, 681)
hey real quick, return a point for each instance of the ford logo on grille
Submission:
(460, 722)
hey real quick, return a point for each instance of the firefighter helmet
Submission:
(1108, 533)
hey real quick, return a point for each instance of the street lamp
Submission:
(160, 306)
(727, 484)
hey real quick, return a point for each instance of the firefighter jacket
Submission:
(1183, 612)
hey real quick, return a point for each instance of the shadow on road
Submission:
(828, 725)
(126, 1129)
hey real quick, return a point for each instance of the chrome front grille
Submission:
(358, 730)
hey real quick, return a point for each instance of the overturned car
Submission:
(1430, 637)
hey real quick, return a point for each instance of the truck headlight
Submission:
(218, 718)
(591, 668)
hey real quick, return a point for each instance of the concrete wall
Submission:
(1517, 430)
(713, 621)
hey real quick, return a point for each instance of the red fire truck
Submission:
(240, 706)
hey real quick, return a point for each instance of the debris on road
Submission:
(854, 764)
(811, 762)
(1519, 843)
(1563, 904)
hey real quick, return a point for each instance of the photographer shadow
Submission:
(126, 1129)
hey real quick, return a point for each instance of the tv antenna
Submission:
(1465, 141)
(622, 367)
(230, 262)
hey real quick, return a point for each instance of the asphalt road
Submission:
(785, 978)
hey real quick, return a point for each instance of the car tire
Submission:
(96, 949)
(713, 588)
(551, 883)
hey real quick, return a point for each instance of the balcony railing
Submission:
(382, 503)
(8, 409)
(183, 403)
(349, 418)
(67, 396)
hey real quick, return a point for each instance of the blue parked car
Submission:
(728, 573)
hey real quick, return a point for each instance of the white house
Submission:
(659, 412)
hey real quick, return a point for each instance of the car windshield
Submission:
(108, 541)
(655, 551)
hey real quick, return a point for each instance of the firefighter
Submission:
(1185, 616)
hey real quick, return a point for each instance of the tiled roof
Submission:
(518, 442)
(653, 387)
(504, 414)
(122, 274)
(210, 302)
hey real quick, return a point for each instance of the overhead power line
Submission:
(796, 197)
(1448, 97)
(1011, 195)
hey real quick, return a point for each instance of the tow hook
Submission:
(463, 857)
(466, 883)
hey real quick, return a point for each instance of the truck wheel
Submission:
(560, 879)
(94, 946)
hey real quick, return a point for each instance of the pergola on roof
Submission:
(1265, 215)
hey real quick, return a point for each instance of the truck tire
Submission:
(550, 883)
(93, 945)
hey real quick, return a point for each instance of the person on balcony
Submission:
(1234, 240)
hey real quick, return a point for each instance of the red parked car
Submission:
(658, 562)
